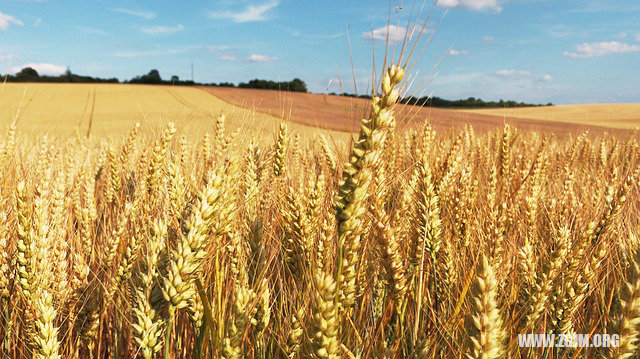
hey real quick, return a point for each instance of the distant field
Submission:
(344, 113)
(62, 110)
(626, 116)
(104, 110)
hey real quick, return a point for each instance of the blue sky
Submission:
(561, 51)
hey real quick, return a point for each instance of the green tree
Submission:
(27, 72)
(154, 77)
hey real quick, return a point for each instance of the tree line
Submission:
(470, 102)
(438, 102)
(29, 74)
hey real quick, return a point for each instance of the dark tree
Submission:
(297, 85)
(27, 72)
(154, 76)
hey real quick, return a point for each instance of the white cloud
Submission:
(637, 36)
(513, 74)
(159, 29)
(396, 33)
(43, 69)
(621, 35)
(137, 13)
(37, 22)
(227, 57)
(475, 5)
(249, 14)
(6, 20)
(597, 49)
(547, 78)
(454, 52)
(261, 58)
(488, 39)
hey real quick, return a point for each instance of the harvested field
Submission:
(344, 113)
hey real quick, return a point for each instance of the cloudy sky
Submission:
(561, 51)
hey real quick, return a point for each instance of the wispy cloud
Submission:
(560, 31)
(92, 30)
(4, 57)
(6, 20)
(603, 7)
(327, 36)
(159, 29)
(454, 52)
(137, 13)
(508, 84)
(637, 36)
(227, 57)
(42, 68)
(146, 53)
(597, 49)
(522, 76)
(513, 74)
(458, 78)
(261, 58)
(621, 35)
(248, 14)
(214, 48)
(475, 5)
(488, 39)
(396, 33)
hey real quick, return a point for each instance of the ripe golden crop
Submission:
(405, 244)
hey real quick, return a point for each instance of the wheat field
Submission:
(626, 116)
(398, 244)
(107, 111)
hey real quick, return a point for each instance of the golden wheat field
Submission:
(63, 111)
(625, 116)
(398, 244)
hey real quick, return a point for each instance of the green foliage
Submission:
(295, 85)
(471, 102)
(29, 74)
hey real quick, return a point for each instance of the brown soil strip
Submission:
(344, 113)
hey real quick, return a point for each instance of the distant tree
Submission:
(297, 85)
(293, 85)
(175, 79)
(68, 75)
(27, 72)
(154, 76)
